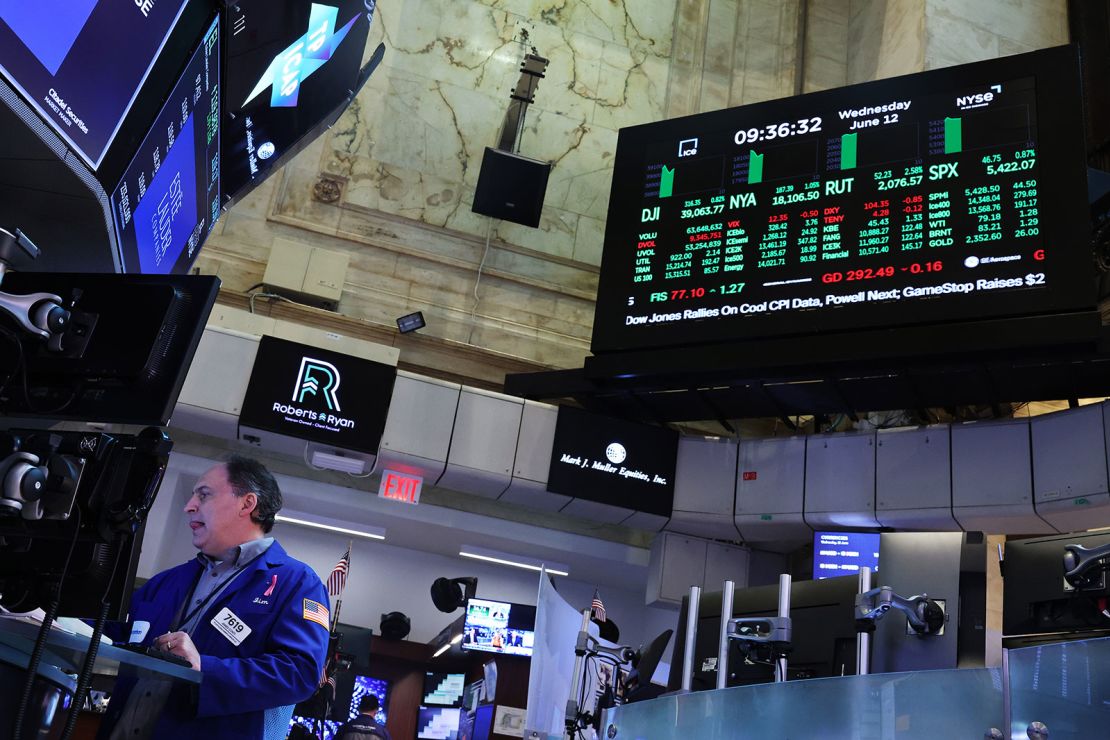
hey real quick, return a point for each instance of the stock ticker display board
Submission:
(948, 195)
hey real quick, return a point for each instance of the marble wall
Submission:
(401, 164)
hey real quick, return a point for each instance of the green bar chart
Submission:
(953, 135)
(848, 143)
(755, 168)
(666, 182)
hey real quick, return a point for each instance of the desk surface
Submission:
(67, 652)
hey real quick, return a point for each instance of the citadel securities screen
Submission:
(80, 63)
(169, 197)
(288, 65)
(956, 193)
(613, 461)
(318, 395)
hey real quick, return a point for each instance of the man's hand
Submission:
(179, 643)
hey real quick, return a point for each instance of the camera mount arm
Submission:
(1081, 563)
(924, 615)
(41, 314)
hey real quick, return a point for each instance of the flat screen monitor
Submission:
(1035, 598)
(122, 359)
(438, 723)
(444, 689)
(838, 554)
(81, 63)
(289, 66)
(956, 194)
(499, 627)
(613, 461)
(168, 199)
(318, 395)
(823, 633)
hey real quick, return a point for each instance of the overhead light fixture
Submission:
(330, 461)
(370, 533)
(456, 639)
(442, 650)
(411, 322)
(516, 561)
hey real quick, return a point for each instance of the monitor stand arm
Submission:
(1081, 563)
(924, 615)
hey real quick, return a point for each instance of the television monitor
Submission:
(96, 490)
(81, 63)
(290, 67)
(955, 194)
(168, 199)
(438, 723)
(823, 635)
(444, 689)
(318, 395)
(613, 461)
(1037, 601)
(838, 554)
(499, 627)
(123, 357)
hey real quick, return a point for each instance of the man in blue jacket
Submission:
(246, 614)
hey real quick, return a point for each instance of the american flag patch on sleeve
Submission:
(316, 612)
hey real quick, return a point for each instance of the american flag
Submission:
(338, 578)
(316, 612)
(597, 609)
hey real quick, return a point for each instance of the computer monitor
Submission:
(838, 554)
(122, 359)
(1036, 600)
(96, 489)
(823, 633)
(444, 689)
(438, 723)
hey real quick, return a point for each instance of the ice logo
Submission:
(306, 55)
(616, 453)
(266, 150)
(318, 378)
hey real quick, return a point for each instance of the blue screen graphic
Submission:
(844, 553)
(165, 217)
(168, 198)
(49, 28)
(81, 63)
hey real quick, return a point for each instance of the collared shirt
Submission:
(149, 696)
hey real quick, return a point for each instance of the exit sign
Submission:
(400, 487)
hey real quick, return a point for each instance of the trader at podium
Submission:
(250, 617)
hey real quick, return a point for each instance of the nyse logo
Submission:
(687, 147)
(306, 55)
(318, 378)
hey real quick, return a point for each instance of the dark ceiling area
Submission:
(992, 363)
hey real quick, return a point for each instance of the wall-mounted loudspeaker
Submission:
(511, 187)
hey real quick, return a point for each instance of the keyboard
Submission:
(154, 652)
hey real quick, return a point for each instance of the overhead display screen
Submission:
(169, 197)
(80, 63)
(318, 395)
(288, 66)
(838, 554)
(613, 461)
(952, 194)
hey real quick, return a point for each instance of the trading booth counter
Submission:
(1063, 686)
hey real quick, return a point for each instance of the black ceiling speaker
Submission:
(394, 626)
(511, 187)
(449, 594)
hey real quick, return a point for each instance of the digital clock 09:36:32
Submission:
(778, 130)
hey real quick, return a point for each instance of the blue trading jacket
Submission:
(278, 664)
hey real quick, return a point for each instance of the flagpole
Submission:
(339, 596)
